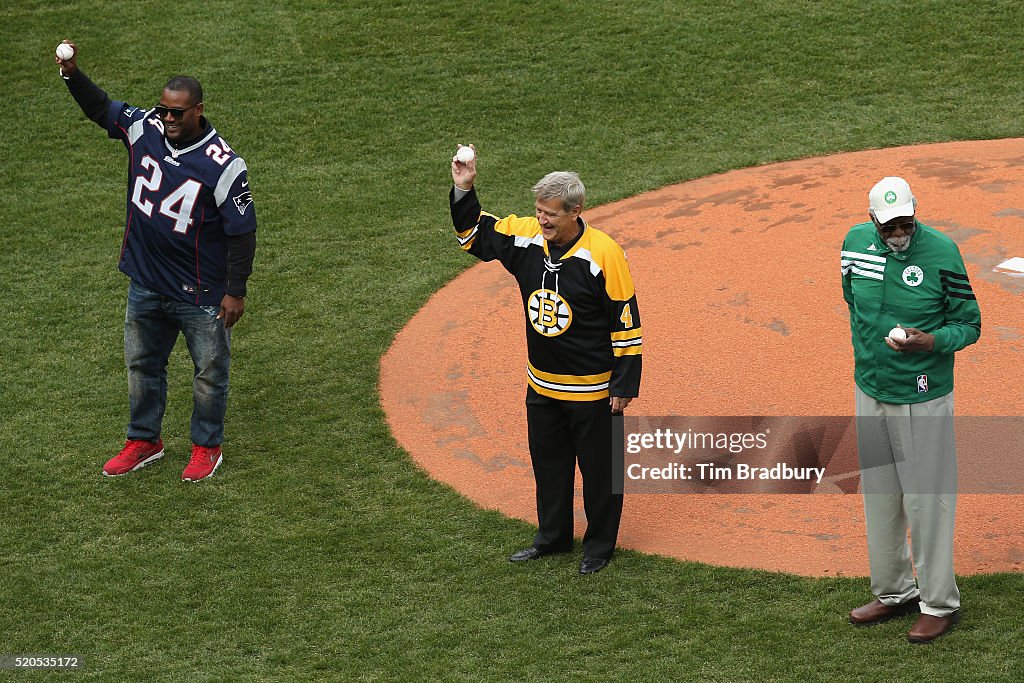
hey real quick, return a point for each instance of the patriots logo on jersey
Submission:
(243, 201)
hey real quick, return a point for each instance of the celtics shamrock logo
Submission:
(913, 276)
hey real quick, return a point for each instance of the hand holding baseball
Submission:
(66, 56)
(915, 340)
(464, 167)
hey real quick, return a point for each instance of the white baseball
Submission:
(897, 333)
(65, 52)
(465, 155)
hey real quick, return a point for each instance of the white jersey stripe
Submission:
(468, 238)
(555, 386)
(227, 179)
(135, 130)
(862, 257)
(866, 273)
(585, 254)
(629, 342)
(524, 242)
(870, 266)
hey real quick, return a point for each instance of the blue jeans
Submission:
(151, 326)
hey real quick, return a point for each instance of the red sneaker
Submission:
(205, 461)
(135, 455)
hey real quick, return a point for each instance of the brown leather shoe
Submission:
(928, 628)
(877, 612)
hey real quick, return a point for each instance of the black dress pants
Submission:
(560, 432)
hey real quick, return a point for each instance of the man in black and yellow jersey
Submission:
(584, 344)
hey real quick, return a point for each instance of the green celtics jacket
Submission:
(583, 332)
(925, 287)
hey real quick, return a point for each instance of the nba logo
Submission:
(922, 384)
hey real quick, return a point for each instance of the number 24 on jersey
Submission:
(177, 205)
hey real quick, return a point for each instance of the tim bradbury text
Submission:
(709, 471)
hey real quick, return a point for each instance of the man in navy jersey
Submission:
(189, 242)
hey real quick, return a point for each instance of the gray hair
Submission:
(564, 185)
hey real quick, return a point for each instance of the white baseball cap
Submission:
(891, 197)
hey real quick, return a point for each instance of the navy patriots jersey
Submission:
(181, 205)
(583, 333)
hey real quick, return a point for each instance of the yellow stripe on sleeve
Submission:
(628, 334)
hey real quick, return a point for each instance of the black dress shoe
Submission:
(527, 554)
(592, 565)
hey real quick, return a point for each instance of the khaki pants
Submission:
(908, 477)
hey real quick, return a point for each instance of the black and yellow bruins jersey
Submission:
(583, 332)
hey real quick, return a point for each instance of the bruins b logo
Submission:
(549, 313)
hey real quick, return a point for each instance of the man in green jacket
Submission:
(900, 273)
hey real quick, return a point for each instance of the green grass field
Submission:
(319, 551)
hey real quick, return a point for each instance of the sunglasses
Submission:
(890, 229)
(162, 111)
